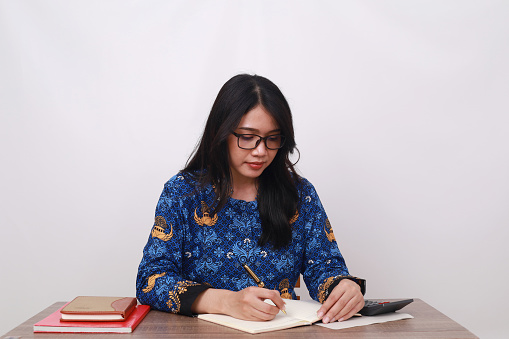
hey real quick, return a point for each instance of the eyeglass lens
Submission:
(250, 141)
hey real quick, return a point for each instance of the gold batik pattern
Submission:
(159, 229)
(295, 217)
(152, 281)
(328, 231)
(323, 288)
(206, 219)
(174, 300)
(284, 285)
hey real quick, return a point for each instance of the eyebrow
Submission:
(249, 129)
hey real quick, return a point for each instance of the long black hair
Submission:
(277, 193)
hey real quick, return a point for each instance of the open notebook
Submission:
(298, 313)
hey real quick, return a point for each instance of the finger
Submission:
(353, 311)
(277, 300)
(330, 302)
(257, 310)
(338, 299)
(342, 307)
(259, 315)
(265, 306)
(264, 300)
(263, 310)
(270, 295)
(345, 308)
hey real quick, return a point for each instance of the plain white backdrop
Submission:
(401, 112)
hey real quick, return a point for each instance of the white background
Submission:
(401, 116)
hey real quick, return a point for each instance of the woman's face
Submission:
(247, 165)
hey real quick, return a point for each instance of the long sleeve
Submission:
(324, 266)
(189, 250)
(160, 282)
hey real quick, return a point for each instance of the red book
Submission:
(52, 323)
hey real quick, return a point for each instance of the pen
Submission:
(256, 279)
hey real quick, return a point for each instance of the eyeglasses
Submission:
(251, 141)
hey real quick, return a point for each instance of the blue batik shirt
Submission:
(189, 250)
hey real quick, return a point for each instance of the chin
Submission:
(253, 174)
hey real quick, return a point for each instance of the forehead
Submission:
(258, 120)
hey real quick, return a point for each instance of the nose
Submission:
(260, 150)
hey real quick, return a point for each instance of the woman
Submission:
(239, 201)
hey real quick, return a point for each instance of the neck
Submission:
(245, 190)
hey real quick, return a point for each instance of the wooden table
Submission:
(427, 323)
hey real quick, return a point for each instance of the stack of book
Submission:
(95, 314)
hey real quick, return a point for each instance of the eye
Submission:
(246, 137)
(274, 138)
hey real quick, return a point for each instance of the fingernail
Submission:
(320, 314)
(341, 319)
(325, 320)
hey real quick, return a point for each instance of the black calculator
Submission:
(374, 307)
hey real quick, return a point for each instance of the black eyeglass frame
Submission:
(260, 138)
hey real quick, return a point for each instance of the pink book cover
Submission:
(52, 323)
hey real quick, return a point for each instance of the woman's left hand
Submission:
(344, 301)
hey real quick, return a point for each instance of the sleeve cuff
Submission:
(188, 297)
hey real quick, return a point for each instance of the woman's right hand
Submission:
(247, 304)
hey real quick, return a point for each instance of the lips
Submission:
(255, 165)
